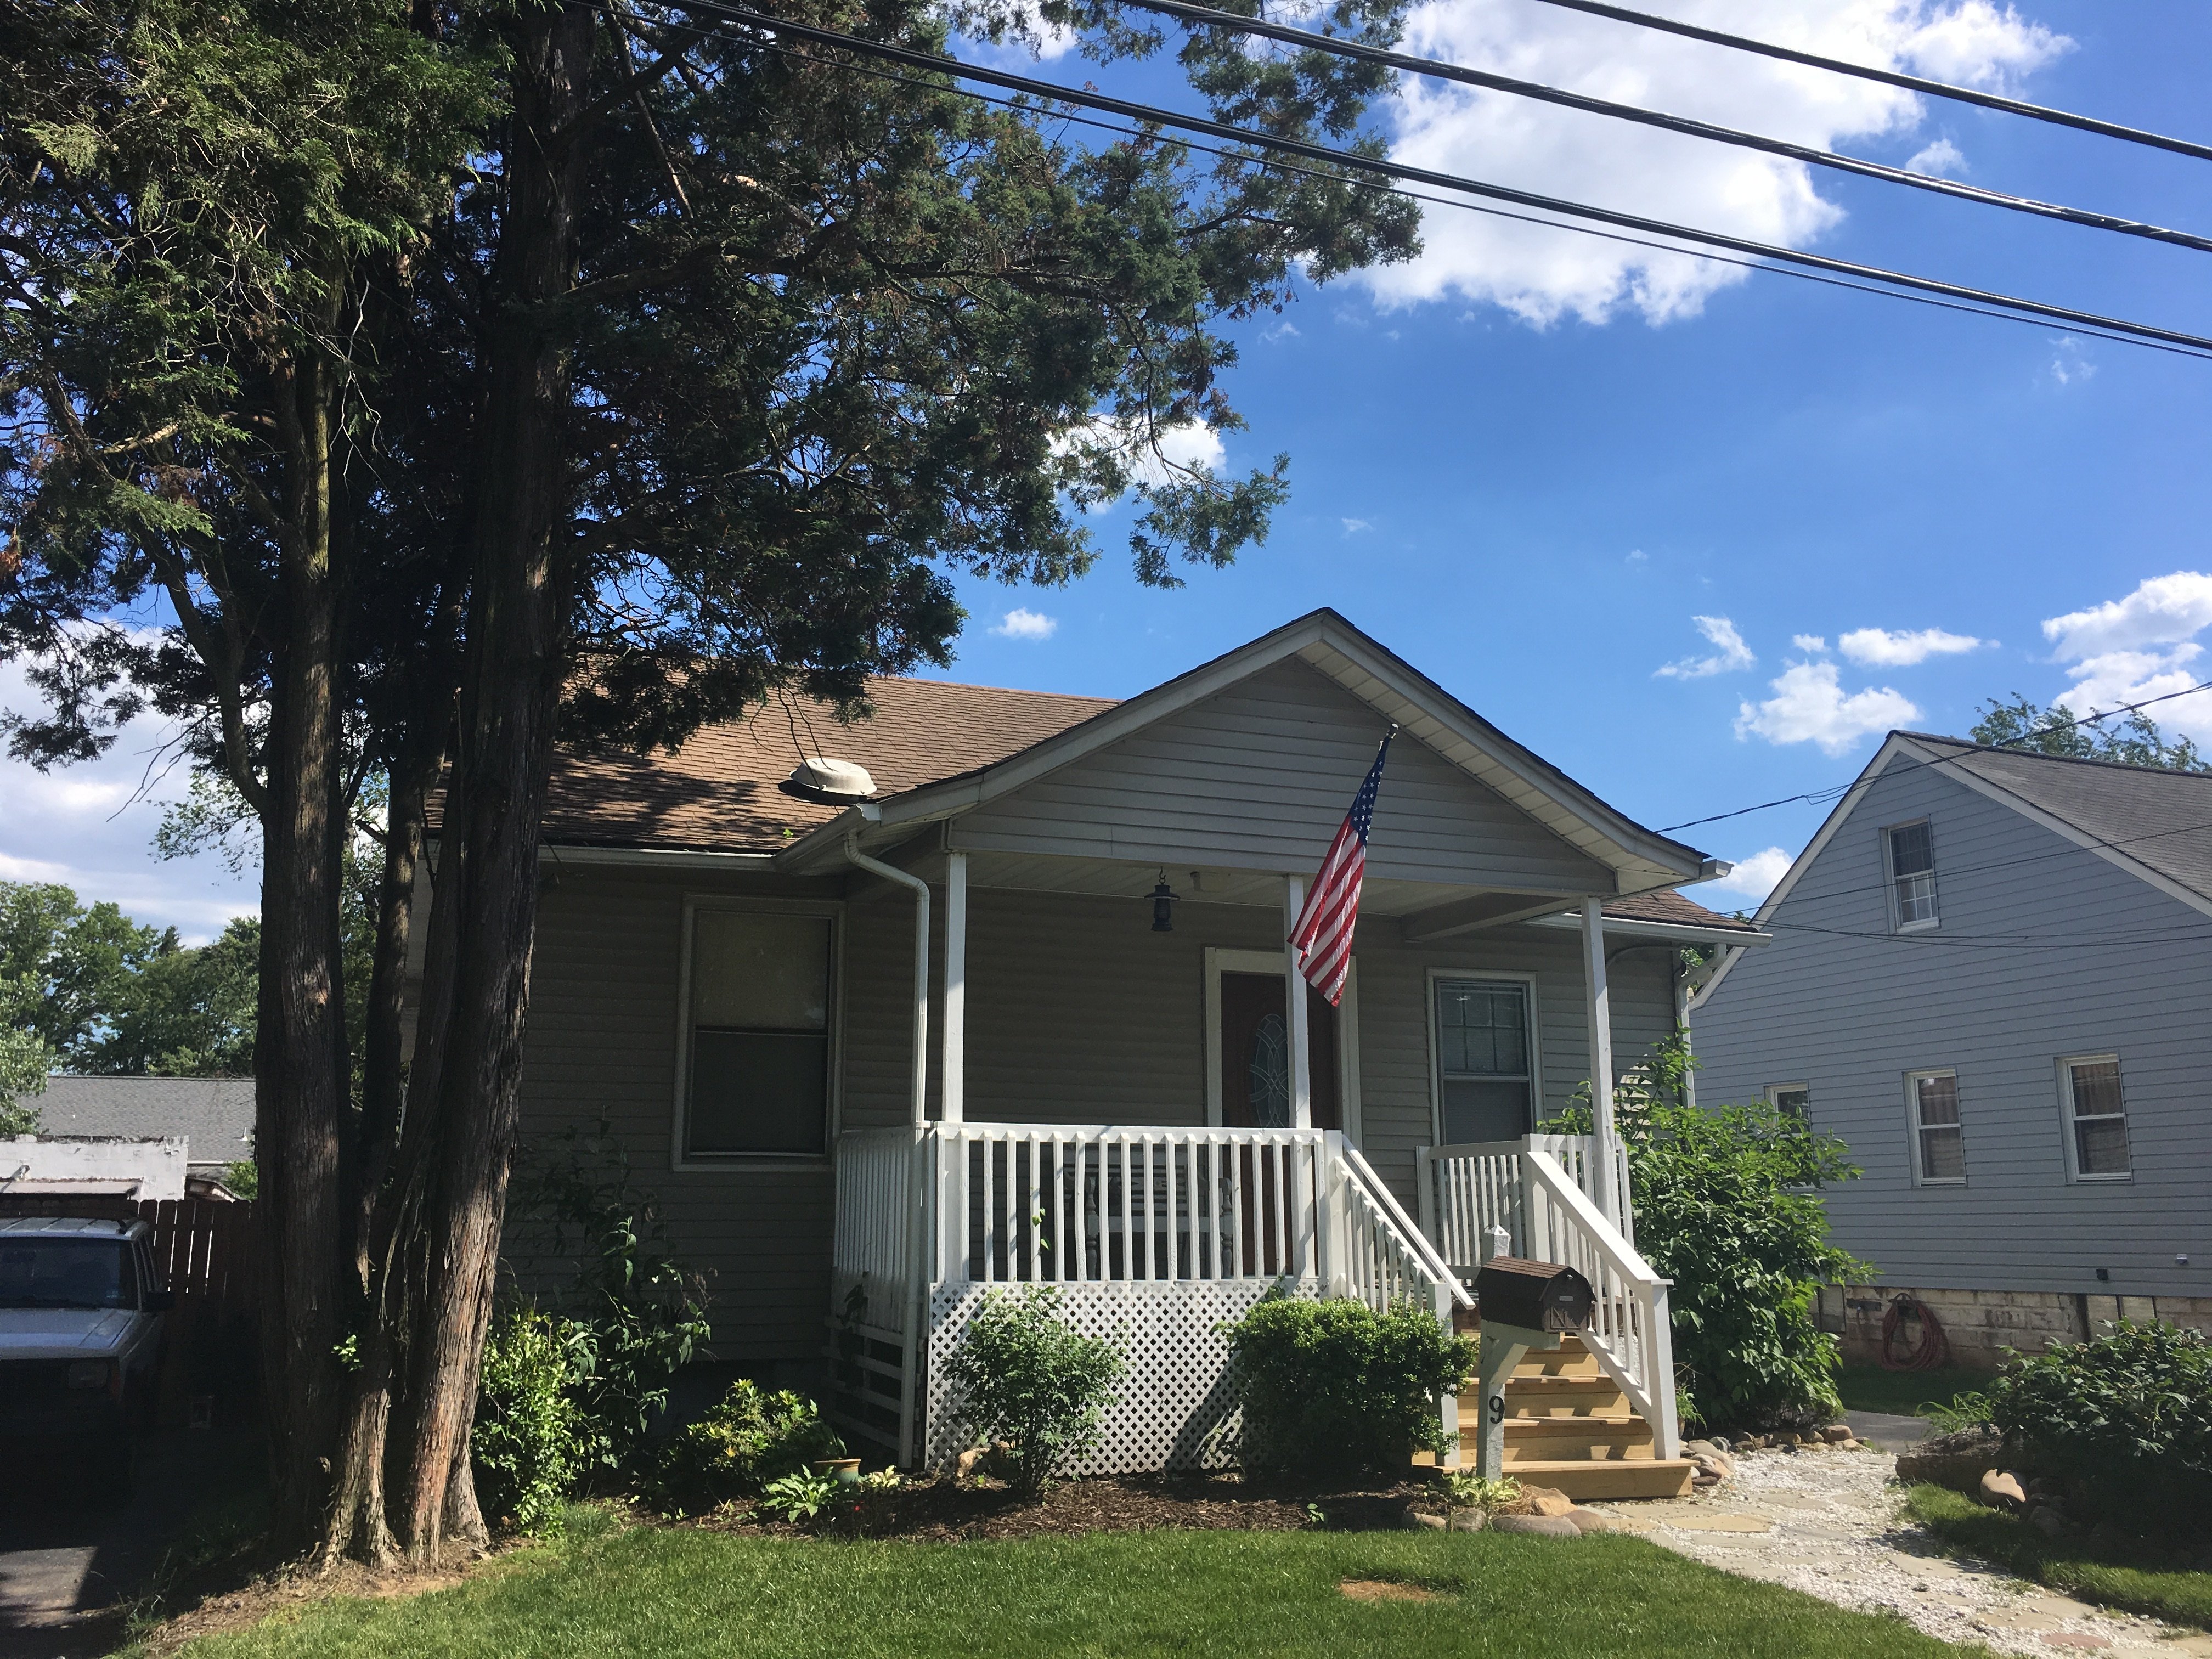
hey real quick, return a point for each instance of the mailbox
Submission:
(1536, 1296)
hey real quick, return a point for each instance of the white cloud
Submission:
(1541, 275)
(1753, 878)
(1022, 624)
(1809, 707)
(1733, 653)
(2070, 364)
(1878, 647)
(1637, 555)
(90, 827)
(1813, 643)
(1353, 526)
(1942, 158)
(2162, 611)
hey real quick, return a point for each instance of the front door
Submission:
(1256, 1054)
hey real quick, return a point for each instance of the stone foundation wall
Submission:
(1981, 1325)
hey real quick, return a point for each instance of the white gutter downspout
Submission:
(891, 873)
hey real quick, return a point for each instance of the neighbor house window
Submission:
(2096, 1117)
(758, 1076)
(1938, 1139)
(1912, 873)
(1794, 1098)
(1486, 1077)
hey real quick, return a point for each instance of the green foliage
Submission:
(2127, 1418)
(2132, 740)
(102, 993)
(1727, 1207)
(1334, 1388)
(243, 1177)
(750, 1438)
(1470, 1491)
(527, 1435)
(2120, 1574)
(644, 1310)
(25, 1059)
(1024, 1377)
(801, 1497)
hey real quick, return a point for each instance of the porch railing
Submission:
(1537, 1189)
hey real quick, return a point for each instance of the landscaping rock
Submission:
(1467, 1520)
(1851, 1445)
(1591, 1521)
(2001, 1491)
(1417, 1521)
(2050, 1521)
(1546, 1501)
(968, 1460)
(1956, 1461)
(1539, 1526)
(1836, 1433)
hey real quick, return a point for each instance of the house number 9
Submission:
(1497, 1408)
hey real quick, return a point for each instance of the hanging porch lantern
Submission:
(1163, 898)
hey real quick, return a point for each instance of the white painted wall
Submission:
(32, 1161)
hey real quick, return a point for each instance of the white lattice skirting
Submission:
(1178, 1399)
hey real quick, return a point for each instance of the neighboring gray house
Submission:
(214, 1114)
(1095, 1082)
(1991, 975)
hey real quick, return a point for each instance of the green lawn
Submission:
(666, 1593)
(1905, 1394)
(1962, 1527)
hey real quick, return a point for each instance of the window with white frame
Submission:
(1794, 1098)
(757, 1035)
(1486, 1075)
(2096, 1116)
(1912, 850)
(1939, 1141)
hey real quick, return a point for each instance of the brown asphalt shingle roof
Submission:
(2161, 819)
(718, 792)
(1667, 905)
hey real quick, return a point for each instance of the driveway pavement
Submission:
(69, 1555)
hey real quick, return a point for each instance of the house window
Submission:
(1486, 1080)
(1912, 873)
(759, 1034)
(2096, 1117)
(1938, 1139)
(1794, 1098)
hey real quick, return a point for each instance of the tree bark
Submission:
(457, 1145)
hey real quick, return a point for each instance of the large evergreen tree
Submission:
(466, 378)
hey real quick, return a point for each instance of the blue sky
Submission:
(1528, 468)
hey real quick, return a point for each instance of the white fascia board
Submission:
(1636, 927)
(559, 856)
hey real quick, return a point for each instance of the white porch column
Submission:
(1600, 1052)
(1294, 1013)
(952, 1091)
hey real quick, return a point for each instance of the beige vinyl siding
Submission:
(1258, 777)
(1852, 1009)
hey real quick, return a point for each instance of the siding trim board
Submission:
(1221, 960)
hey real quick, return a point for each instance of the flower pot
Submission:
(847, 1469)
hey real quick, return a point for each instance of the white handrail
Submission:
(1402, 1227)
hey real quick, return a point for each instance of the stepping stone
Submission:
(1719, 1522)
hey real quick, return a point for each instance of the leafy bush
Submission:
(801, 1497)
(2126, 1418)
(1334, 1388)
(1468, 1491)
(644, 1311)
(1025, 1377)
(526, 1440)
(1727, 1206)
(750, 1439)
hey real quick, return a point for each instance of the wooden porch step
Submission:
(1557, 1396)
(1570, 1358)
(1597, 1439)
(1648, 1477)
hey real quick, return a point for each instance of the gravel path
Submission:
(1824, 1521)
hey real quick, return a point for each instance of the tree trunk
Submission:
(300, 1069)
(458, 1142)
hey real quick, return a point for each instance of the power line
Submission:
(1384, 187)
(1212, 17)
(1839, 790)
(1153, 115)
(1891, 77)
(1994, 942)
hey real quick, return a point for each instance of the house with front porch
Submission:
(992, 989)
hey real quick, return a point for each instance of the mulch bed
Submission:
(946, 1512)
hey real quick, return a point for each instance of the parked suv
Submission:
(81, 1329)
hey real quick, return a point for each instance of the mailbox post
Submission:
(1523, 1305)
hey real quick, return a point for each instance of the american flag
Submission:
(1324, 934)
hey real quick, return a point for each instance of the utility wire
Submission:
(1381, 186)
(1377, 167)
(1211, 17)
(1839, 790)
(1892, 78)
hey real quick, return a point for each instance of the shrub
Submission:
(1334, 1388)
(2126, 1418)
(801, 1497)
(1025, 1377)
(750, 1439)
(526, 1440)
(1727, 1206)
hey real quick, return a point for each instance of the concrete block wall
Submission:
(1981, 1325)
